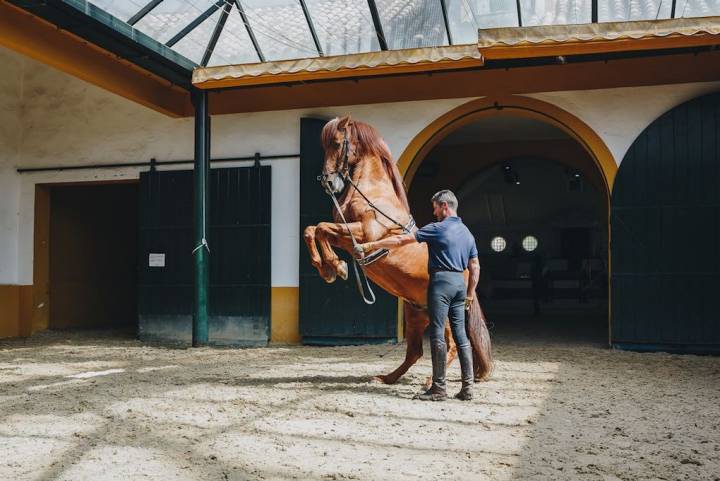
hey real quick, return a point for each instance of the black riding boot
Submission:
(438, 390)
(466, 368)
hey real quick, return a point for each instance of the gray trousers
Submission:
(446, 299)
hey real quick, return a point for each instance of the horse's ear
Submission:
(344, 122)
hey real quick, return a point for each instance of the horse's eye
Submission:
(336, 145)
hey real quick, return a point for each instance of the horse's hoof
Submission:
(328, 274)
(380, 379)
(428, 383)
(342, 270)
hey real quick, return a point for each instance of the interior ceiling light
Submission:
(510, 176)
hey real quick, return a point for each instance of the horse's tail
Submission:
(479, 336)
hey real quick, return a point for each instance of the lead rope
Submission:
(359, 283)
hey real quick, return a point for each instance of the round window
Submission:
(498, 244)
(530, 243)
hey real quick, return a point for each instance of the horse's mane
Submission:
(369, 143)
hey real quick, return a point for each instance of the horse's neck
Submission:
(367, 174)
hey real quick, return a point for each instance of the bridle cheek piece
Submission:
(334, 182)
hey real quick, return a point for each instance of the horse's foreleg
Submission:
(331, 235)
(327, 272)
(309, 236)
(416, 321)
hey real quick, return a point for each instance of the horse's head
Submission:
(349, 143)
(339, 140)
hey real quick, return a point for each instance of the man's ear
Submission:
(344, 122)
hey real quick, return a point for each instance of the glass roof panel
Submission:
(467, 16)
(280, 28)
(555, 12)
(697, 8)
(170, 17)
(123, 9)
(234, 45)
(630, 10)
(346, 26)
(193, 44)
(343, 26)
(412, 23)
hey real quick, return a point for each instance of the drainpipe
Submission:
(201, 252)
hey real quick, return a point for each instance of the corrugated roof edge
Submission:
(371, 63)
(489, 39)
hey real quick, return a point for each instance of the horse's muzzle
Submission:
(332, 183)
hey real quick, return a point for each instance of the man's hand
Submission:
(468, 303)
(360, 250)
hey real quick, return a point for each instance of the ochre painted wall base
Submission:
(15, 311)
(284, 315)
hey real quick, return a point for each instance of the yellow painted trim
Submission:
(284, 315)
(15, 303)
(515, 105)
(33, 37)
(9, 311)
(40, 297)
(552, 49)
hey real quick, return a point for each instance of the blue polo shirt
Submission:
(450, 244)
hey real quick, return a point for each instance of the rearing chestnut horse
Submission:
(354, 151)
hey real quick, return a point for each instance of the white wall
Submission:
(619, 115)
(64, 121)
(67, 122)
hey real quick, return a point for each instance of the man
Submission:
(452, 249)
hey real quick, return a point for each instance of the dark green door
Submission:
(666, 232)
(239, 241)
(333, 313)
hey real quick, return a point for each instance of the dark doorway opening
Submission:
(537, 206)
(93, 257)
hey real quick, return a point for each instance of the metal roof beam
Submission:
(594, 11)
(216, 34)
(312, 27)
(143, 11)
(443, 5)
(250, 32)
(519, 12)
(203, 16)
(378, 26)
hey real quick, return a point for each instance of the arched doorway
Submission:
(553, 225)
(666, 231)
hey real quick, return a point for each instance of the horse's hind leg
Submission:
(416, 321)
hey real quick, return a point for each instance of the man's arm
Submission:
(398, 240)
(473, 278)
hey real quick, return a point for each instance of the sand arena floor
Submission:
(87, 407)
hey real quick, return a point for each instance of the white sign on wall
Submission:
(156, 260)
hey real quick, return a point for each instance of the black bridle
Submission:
(344, 175)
